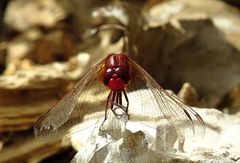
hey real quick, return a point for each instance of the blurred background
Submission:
(191, 47)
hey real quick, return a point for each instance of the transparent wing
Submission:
(77, 110)
(154, 106)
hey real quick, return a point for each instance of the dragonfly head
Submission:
(116, 76)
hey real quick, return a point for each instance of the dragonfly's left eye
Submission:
(123, 74)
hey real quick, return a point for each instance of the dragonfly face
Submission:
(117, 73)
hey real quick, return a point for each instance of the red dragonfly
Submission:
(117, 82)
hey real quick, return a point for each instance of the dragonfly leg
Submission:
(120, 107)
(117, 98)
(126, 98)
(119, 104)
(109, 102)
(120, 98)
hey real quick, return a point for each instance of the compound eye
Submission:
(123, 74)
(108, 75)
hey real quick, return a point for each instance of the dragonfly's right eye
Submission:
(108, 75)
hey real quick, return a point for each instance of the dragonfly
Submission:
(117, 82)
